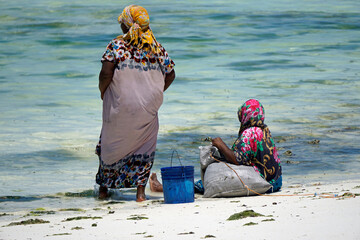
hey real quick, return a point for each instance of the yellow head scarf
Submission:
(137, 20)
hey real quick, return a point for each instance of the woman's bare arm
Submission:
(225, 150)
(105, 76)
(169, 78)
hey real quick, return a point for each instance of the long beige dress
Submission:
(130, 114)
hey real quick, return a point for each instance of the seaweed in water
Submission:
(29, 221)
(244, 214)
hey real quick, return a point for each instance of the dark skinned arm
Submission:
(225, 150)
(169, 78)
(105, 76)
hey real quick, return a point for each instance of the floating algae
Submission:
(244, 214)
(86, 193)
(250, 224)
(136, 217)
(80, 218)
(29, 221)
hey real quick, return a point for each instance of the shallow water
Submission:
(301, 60)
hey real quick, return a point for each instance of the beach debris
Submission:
(4, 214)
(39, 212)
(77, 228)
(59, 234)
(72, 210)
(137, 217)
(207, 139)
(244, 214)
(288, 153)
(114, 202)
(186, 233)
(80, 218)
(268, 220)
(209, 236)
(29, 221)
(314, 142)
(250, 224)
(86, 193)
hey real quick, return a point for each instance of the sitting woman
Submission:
(254, 146)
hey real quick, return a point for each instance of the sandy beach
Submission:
(315, 211)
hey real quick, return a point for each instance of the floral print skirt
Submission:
(131, 171)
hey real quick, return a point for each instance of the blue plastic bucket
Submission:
(178, 184)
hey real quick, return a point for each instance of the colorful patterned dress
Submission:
(130, 114)
(255, 146)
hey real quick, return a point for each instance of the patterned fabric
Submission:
(255, 146)
(130, 114)
(126, 55)
(140, 35)
(131, 171)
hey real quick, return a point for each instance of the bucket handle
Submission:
(172, 155)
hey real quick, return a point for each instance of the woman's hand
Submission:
(217, 142)
(223, 148)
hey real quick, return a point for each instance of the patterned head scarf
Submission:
(137, 20)
(251, 114)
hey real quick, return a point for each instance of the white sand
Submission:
(294, 217)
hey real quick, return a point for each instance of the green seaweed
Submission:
(268, 220)
(94, 225)
(86, 193)
(4, 214)
(148, 236)
(72, 210)
(140, 233)
(28, 222)
(186, 233)
(209, 236)
(39, 213)
(250, 224)
(244, 214)
(77, 228)
(357, 187)
(80, 218)
(59, 234)
(136, 217)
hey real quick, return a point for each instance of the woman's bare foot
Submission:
(103, 192)
(155, 185)
(140, 194)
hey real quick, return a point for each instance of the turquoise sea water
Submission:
(299, 58)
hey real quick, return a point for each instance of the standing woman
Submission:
(136, 70)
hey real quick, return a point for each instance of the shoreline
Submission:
(305, 215)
